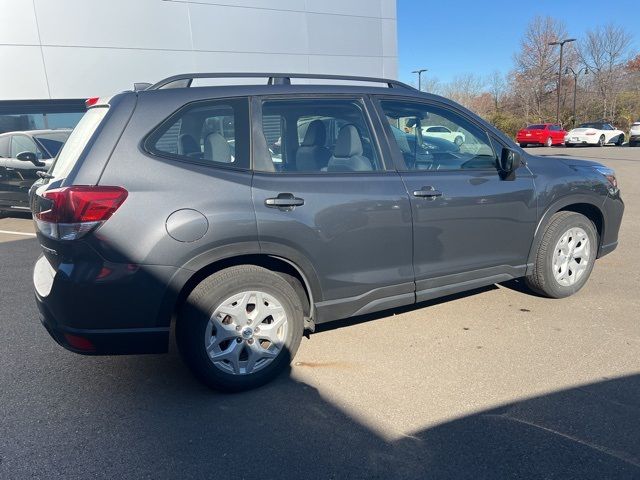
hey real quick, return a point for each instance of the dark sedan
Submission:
(22, 156)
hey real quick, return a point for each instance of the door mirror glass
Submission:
(509, 160)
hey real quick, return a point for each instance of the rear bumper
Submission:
(98, 308)
(591, 140)
(103, 342)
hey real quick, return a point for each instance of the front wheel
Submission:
(620, 140)
(601, 141)
(240, 328)
(565, 256)
(522, 145)
(549, 142)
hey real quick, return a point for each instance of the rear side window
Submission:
(4, 146)
(214, 133)
(73, 147)
(317, 136)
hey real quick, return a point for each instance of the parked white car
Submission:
(440, 131)
(594, 133)
(634, 134)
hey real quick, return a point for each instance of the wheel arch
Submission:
(206, 264)
(584, 205)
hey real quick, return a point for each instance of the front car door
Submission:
(325, 200)
(19, 175)
(471, 226)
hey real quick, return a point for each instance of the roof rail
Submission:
(184, 80)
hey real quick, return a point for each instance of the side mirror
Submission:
(510, 160)
(27, 157)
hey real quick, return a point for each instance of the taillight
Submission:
(68, 213)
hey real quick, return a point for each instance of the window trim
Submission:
(146, 145)
(397, 157)
(384, 155)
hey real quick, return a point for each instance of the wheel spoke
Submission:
(231, 354)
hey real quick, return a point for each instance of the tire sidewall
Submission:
(194, 319)
(556, 289)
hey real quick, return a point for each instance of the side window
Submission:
(462, 145)
(317, 136)
(4, 146)
(211, 133)
(22, 143)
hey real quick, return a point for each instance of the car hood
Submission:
(577, 162)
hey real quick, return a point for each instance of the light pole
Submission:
(561, 43)
(419, 72)
(575, 74)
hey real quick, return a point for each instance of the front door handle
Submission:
(427, 192)
(284, 201)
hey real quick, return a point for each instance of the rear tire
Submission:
(224, 331)
(549, 142)
(565, 256)
(523, 145)
(620, 140)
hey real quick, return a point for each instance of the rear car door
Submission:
(471, 226)
(325, 200)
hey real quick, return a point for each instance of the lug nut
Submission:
(239, 340)
(256, 330)
(238, 328)
(250, 341)
(249, 322)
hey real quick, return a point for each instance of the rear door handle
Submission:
(427, 192)
(284, 201)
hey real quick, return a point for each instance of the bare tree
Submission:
(497, 87)
(464, 89)
(604, 51)
(537, 62)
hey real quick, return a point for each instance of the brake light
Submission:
(90, 102)
(68, 213)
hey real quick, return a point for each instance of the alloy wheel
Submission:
(571, 256)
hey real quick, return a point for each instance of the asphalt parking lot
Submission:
(496, 383)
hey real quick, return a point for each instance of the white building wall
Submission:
(83, 48)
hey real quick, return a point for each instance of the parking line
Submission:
(25, 234)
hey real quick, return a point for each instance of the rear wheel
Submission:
(601, 141)
(565, 256)
(522, 145)
(549, 142)
(240, 328)
(568, 145)
(620, 140)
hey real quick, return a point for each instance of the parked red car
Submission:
(541, 134)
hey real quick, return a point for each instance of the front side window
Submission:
(317, 136)
(22, 143)
(212, 133)
(463, 146)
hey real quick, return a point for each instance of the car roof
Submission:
(38, 132)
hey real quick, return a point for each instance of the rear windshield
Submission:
(597, 126)
(535, 127)
(77, 141)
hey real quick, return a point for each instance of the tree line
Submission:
(601, 68)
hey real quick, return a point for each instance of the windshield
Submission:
(597, 126)
(52, 142)
(77, 141)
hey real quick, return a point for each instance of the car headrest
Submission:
(348, 143)
(187, 144)
(316, 134)
(216, 148)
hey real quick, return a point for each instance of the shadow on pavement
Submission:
(67, 416)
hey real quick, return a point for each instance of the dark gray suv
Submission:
(247, 214)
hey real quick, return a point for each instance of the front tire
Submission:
(523, 145)
(565, 256)
(601, 141)
(549, 142)
(240, 327)
(620, 140)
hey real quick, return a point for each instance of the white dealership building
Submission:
(54, 49)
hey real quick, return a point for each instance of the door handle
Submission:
(284, 201)
(427, 192)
